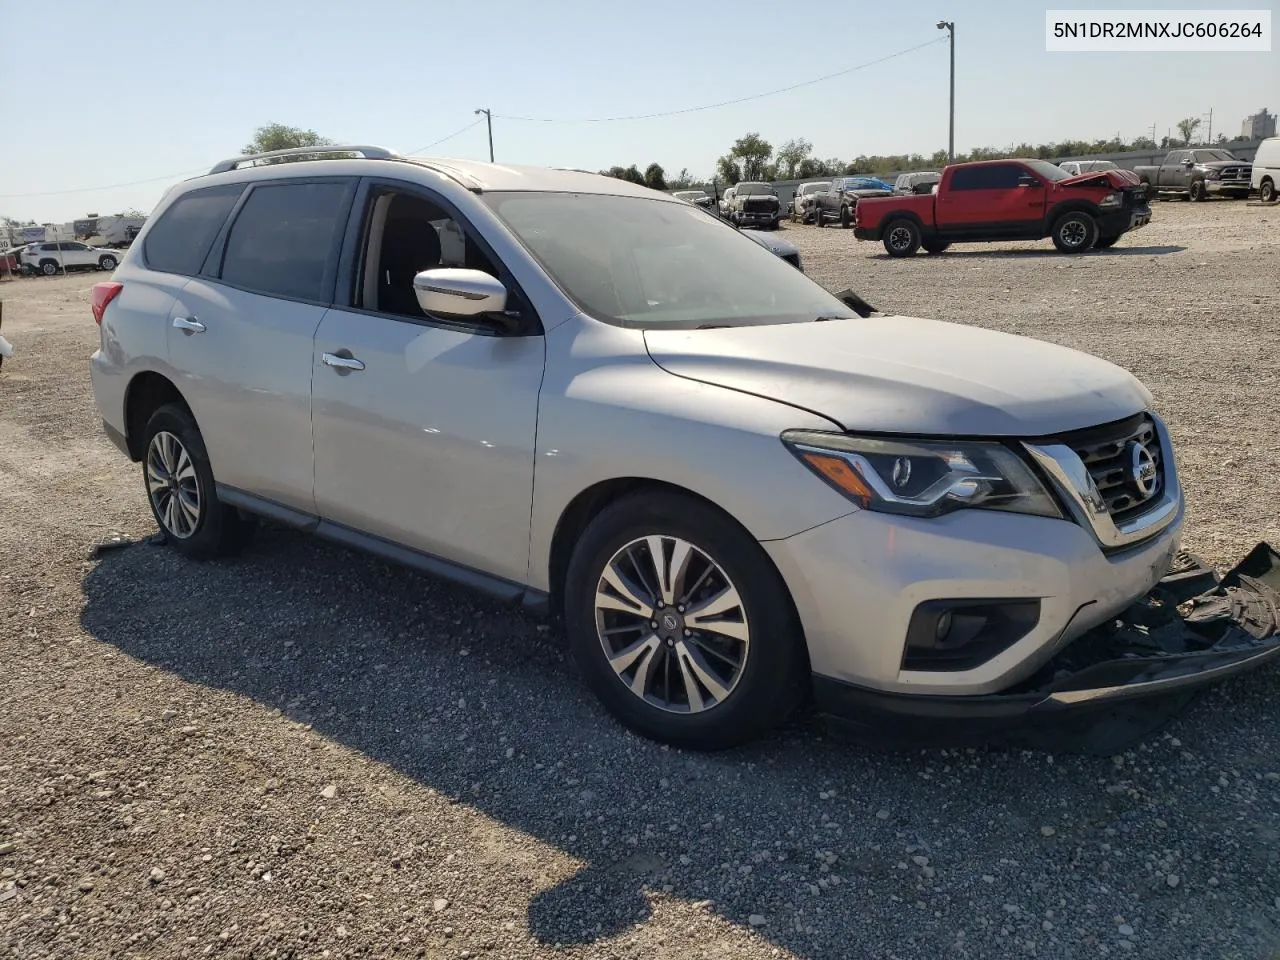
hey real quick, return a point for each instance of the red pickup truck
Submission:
(1008, 200)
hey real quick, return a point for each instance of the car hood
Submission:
(908, 375)
(1116, 179)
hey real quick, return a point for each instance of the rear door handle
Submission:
(188, 325)
(342, 363)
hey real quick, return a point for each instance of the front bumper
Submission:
(1228, 188)
(1124, 220)
(1117, 683)
(754, 217)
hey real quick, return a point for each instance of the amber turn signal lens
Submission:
(838, 471)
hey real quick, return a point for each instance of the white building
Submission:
(1259, 126)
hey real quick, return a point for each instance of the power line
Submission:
(726, 103)
(177, 176)
(437, 143)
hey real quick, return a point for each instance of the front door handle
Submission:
(342, 363)
(188, 325)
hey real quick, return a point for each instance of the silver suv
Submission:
(588, 397)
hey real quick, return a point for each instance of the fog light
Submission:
(944, 626)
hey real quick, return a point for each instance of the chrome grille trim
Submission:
(1076, 482)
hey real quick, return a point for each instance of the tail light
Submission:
(103, 294)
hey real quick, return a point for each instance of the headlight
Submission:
(1111, 200)
(922, 478)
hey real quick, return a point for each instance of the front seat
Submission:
(408, 247)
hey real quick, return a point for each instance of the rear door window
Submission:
(179, 241)
(284, 241)
(997, 176)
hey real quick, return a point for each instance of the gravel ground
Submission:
(308, 753)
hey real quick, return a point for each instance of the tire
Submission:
(49, 268)
(935, 246)
(901, 238)
(1104, 243)
(817, 216)
(1074, 232)
(846, 218)
(1147, 191)
(1196, 192)
(1267, 190)
(754, 678)
(180, 488)
(107, 263)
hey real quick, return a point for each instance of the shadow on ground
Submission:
(379, 659)
(989, 254)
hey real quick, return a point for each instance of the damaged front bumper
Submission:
(1115, 684)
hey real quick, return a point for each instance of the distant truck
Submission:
(1198, 174)
(1008, 200)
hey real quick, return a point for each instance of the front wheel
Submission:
(901, 238)
(49, 268)
(1267, 192)
(846, 218)
(1197, 191)
(181, 491)
(107, 263)
(680, 623)
(817, 217)
(1075, 232)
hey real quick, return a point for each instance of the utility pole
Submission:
(950, 27)
(1209, 138)
(488, 116)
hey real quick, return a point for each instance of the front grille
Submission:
(1112, 456)
(762, 205)
(1236, 173)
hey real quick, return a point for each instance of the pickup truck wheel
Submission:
(1102, 243)
(846, 220)
(817, 216)
(901, 238)
(1197, 191)
(934, 246)
(1267, 191)
(1075, 232)
(680, 623)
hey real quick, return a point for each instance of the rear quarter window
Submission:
(179, 241)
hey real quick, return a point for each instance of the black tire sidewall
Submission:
(774, 678)
(1091, 226)
(846, 218)
(108, 263)
(1196, 192)
(915, 234)
(1267, 192)
(220, 528)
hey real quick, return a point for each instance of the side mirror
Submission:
(453, 292)
(1187, 161)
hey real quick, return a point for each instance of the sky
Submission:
(157, 90)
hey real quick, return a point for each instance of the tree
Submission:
(752, 152)
(728, 169)
(277, 136)
(682, 182)
(791, 154)
(1188, 127)
(655, 177)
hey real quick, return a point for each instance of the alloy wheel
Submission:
(900, 238)
(672, 624)
(173, 485)
(1074, 233)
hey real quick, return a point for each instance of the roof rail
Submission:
(369, 153)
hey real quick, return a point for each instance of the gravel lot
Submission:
(308, 753)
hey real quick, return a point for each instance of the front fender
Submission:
(608, 412)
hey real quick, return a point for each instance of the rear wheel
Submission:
(901, 238)
(1075, 232)
(1197, 191)
(181, 491)
(1267, 191)
(935, 246)
(681, 625)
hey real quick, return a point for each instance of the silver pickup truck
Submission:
(1198, 174)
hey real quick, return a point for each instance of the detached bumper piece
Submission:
(1108, 689)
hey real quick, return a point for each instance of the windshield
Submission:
(755, 190)
(656, 264)
(809, 188)
(1048, 170)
